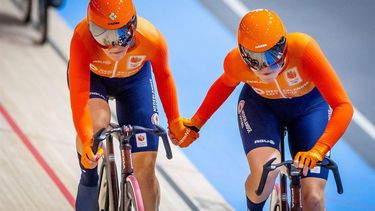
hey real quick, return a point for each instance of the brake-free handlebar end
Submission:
(98, 137)
(330, 164)
(167, 146)
(161, 130)
(163, 134)
(266, 169)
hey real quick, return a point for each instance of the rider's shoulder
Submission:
(233, 57)
(82, 35)
(82, 29)
(82, 25)
(234, 66)
(299, 39)
(147, 30)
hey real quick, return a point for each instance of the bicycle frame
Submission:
(283, 174)
(126, 158)
(126, 164)
(295, 184)
(111, 172)
(41, 19)
(117, 197)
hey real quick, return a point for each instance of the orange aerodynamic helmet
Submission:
(112, 22)
(261, 39)
(110, 14)
(260, 30)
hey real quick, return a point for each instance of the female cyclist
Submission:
(112, 54)
(288, 82)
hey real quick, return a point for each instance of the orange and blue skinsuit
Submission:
(86, 56)
(297, 99)
(92, 74)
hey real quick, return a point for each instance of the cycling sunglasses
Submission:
(260, 60)
(118, 37)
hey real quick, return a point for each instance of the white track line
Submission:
(364, 123)
(240, 9)
(237, 6)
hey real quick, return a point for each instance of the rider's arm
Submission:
(325, 78)
(164, 80)
(215, 97)
(79, 86)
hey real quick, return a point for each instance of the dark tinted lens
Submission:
(126, 33)
(249, 60)
(276, 52)
(125, 36)
(120, 37)
(258, 61)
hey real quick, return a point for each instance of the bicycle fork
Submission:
(112, 178)
(127, 169)
(283, 192)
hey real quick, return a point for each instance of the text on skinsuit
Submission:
(244, 122)
(187, 132)
(265, 141)
(154, 104)
(294, 91)
(98, 94)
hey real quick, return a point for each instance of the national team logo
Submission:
(135, 61)
(315, 170)
(141, 139)
(155, 119)
(292, 76)
(241, 104)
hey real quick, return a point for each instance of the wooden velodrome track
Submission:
(39, 168)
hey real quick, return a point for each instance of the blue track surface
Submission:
(198, 43)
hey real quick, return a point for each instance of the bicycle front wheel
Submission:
(103, 196)
(108, 187)
(275, 202)
(131, 195)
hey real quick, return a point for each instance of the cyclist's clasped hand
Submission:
(309, 159)
(183, 131)
(88, 159)
(180, 134)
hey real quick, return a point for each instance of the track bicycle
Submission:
(42, 15)
(41, 23)
(25, 7)
(126, 196)
(279, 197)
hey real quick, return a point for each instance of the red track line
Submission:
(37, 156)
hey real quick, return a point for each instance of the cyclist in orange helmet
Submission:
(112, 54)
(288, 82)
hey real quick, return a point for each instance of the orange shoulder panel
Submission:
(235, 69)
